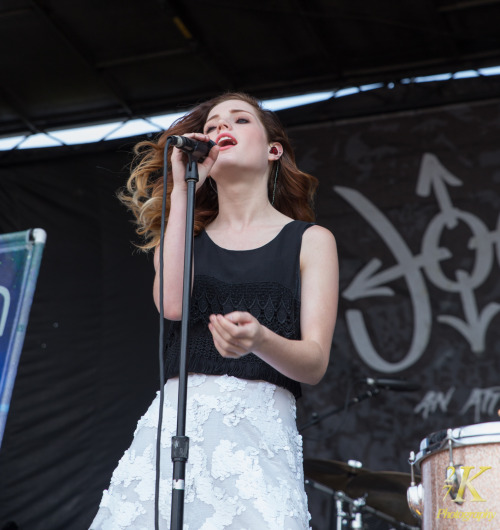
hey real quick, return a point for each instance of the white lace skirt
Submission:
(244, 469)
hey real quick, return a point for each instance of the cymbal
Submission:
(331, 473)
(384, 491)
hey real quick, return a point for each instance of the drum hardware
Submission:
(355, 490)
(353, 517)
(384, 491)
(333, 474)
(347, 513)
(415, 493)
(454, 473)
(356, 508)
(452, 479)
(394, 522)
(341, 515)
(336, 476)
(331, 495)
(339, 476)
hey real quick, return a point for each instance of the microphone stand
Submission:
(180, 442)
(317, 418)
(375, 385)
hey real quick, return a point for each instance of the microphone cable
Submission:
(161, 337)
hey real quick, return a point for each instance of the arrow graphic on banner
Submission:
(407, 267)
(368, 283)
(434, 176)
(476, 324)
(371, 281)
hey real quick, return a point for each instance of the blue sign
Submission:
(20, 256)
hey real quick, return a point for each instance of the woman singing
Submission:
(263, 311)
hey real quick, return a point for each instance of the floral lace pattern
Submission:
(245, 461)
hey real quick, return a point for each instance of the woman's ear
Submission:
(275, 151)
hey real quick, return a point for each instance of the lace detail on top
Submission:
(272, 304)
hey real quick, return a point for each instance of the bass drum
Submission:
(460, 471)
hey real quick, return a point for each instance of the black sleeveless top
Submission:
(264, 282)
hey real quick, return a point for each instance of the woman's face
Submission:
(235, 127)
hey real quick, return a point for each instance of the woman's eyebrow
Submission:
(233, 111)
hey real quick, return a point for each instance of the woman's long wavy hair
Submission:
(293, 196)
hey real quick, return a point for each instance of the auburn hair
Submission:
(294, 194)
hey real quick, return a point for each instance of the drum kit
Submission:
(356, 492)
(456, 489)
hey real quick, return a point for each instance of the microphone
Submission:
(198, 149)
(392, 384)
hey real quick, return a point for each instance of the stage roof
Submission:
(67, 63)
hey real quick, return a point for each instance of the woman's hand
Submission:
(235, 334)
(179, 160)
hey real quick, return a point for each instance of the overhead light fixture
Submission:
(156, 124)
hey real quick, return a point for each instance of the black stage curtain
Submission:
(89, 364)
(413, 199)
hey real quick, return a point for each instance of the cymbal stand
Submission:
(341, 515)
(339, 518)
(331, 494)
(352, 519)
(394, 522)
(356, 516)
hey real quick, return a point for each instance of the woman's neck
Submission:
(242, 211)
(243, 201)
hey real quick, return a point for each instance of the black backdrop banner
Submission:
(413, 200)
(88, 367)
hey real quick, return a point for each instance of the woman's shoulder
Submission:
(318, 241)
(314, 231)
